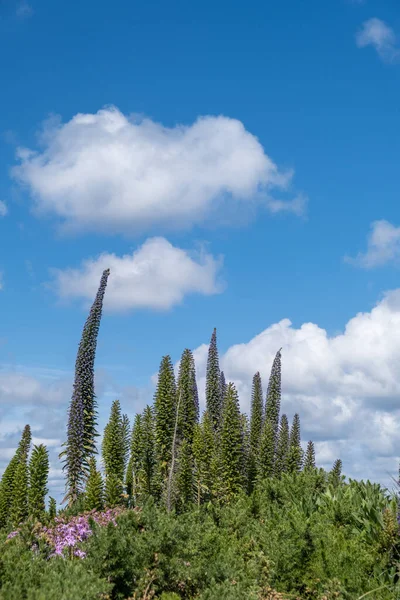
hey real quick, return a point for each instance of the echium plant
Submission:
(273, 401)
(309, 459)
(189, 408)
(213, 383)
(38, 480)
(256, 428)
(81, 431)
(7, 483)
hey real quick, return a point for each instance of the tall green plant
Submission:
(114, 455)
(7, 482)
(256, 423)
(335, 475)
(223, 388)
(82, 417)
(126, 436)
(52, 508)
(38, 480)
(295, 456)
(165, 402)
(147, 484)
(203, 449)
(189, 406)
(273, 400)
(231, 444)
(213, 383)
(172, 466)
(266, 454)
(309, 459)
(282, 448)
(184, 480)
(135, 459)
(19, 506)
(94, 494)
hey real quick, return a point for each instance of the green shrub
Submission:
(295, 535)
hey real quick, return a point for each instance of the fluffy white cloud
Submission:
(3, 209)
(383, 246)
(346, 388)
(157, 275)
(107, 172)
(376, 33)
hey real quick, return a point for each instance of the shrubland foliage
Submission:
(298, 535)
(187, 506)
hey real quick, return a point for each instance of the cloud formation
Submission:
(157, 276)
(115, 174)
(39, 397)
(376, 33)
(383, 246)
(3, 209)
(346, 388)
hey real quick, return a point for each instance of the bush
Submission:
(296, 536)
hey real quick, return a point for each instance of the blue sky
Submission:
(282, 204)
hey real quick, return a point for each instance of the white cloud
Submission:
(157, 275)
(383, 246)
(3, 209)
(107, 172)
(346, 388)
(376, 33)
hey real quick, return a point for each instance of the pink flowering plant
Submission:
(66, 536)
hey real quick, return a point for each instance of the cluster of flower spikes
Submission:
(69, 534)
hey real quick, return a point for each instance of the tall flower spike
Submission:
(335, 475)
(8, 479)
(309, 459)
(81, 432)
(256, 427)
(282, 447)
(295, 456)
(213, 383)
(231, 445)
(223, 388)
(189, 408)
(38, 480)
(165, 401)
(273, 402)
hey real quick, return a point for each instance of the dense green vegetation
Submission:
(184, 505)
